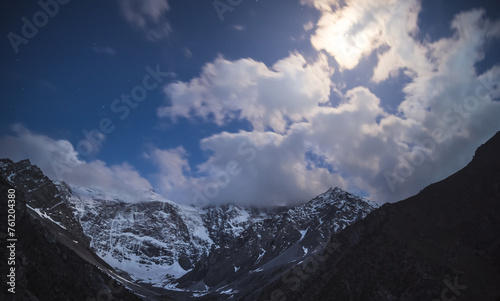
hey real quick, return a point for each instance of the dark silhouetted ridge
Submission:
(443, 241)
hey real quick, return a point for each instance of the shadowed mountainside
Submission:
(441, 244)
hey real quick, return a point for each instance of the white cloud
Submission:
(298, 149)
(444, 84)
(59, 161)
(148, 16)
(187, 52)
(357, 141)
(308, 26)
(173, 167)
(248, 168)
(322, 5)
(40, 149)
(353, 31)
(247, 89)
(238, 27)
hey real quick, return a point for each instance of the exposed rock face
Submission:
(43, 194)
(46, 269)
(438, 245)
(441, 244)
(156, 241)
(278, 239)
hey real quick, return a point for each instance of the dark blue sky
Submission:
(58, 86)
(66, 78)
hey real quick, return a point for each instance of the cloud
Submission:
(187, 53)
(308, 26)
(353, 31)
(173, 167)
(322, 5)
(246, 89)
(445, 94)
(59, 161)
(147, 16)
(238, 27)
(448, 110)
(300, 144)
(246, 168)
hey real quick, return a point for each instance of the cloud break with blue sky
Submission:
(263, 103)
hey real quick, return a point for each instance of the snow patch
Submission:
(303, 233)
(146, 272)
(260, 255)
(229, 292)
(44, 215)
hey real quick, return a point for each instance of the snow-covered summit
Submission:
(158, 241)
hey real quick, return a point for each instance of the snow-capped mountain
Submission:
(153, 240)
(156, 241)
(408, 250)
(281, 238)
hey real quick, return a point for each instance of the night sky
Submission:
(251, 102)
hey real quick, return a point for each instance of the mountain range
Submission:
(441, 244)
(162, 245)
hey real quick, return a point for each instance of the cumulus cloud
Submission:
(246, 168)
(246, 89)
(300, 145)
(59, 161)
(173, 167)
(448, 108)
(448, 111)
(272, 170)
(147, 16)
(354, 30)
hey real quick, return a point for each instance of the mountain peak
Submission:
(24, 162)
(335, 190)
(337, 194)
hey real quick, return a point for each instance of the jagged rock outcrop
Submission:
(43, 194)
(280, 238)
(161, 243)
(45, 268)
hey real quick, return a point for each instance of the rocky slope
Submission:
(157, 241)
(441, 244)
(280, 238)
(164, 244)
(45, 267)
(43, 194)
